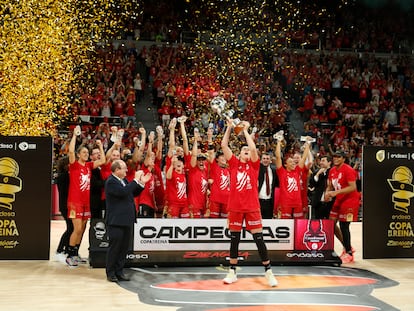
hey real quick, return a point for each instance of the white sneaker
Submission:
(230, 277)
(60, 257)
(271, 280)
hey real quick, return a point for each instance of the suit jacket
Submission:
(120, 205)
(319, 186)
(274, 183)
(97, 184)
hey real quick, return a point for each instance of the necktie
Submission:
(123, 183)
(267, 181)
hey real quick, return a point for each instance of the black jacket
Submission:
(275, 180)
(319, 186)
(120, 205)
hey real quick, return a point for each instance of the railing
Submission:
(404, 47)
(96, 120)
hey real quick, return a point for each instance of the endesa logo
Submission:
(305, 255)
(137, 256)
(6, 146)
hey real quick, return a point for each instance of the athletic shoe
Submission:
(71, 261)
(80, 260)
(60, 257)
(271, 280)
(344, 251)
(230, 277)
(347, 258)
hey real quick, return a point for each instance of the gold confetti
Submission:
(47, 49)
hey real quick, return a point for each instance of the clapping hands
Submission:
(142, 177)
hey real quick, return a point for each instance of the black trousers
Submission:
(145, 211)
(119, 241)
(64, 240)
(321, 210)
(266, 208)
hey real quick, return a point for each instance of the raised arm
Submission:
(225, 141)
(278, 155)
(169, 172)
(108, 154)
(138, 154)
(150, 145)
(310, 158)
(101, 160)
(305, 155)
(194, 151)
(171, 140)
(254, 156)
(72, 144)
(183, 132)
(160, 142)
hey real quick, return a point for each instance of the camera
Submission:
(127, 156)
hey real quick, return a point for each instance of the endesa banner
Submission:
(388, 198)
(25, 197)
(207, 242)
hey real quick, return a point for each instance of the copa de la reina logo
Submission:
(10, 184)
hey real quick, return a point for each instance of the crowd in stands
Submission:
(346, 100)
(356, 26)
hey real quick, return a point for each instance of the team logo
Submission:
(380, 156)
(315, 237)
(401, 184)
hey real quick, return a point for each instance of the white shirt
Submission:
(262, 192)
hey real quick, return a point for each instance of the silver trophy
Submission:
(279, 136)
(308, 139)
(219, 105)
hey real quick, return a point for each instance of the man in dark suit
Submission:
(120, 216)
(320, 208)
(268, 181)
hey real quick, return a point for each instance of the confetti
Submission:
(47, 49)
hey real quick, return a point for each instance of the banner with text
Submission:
(388, 195)
(207, 242)
(25, 197)
(202, 234)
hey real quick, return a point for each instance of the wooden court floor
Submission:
(51, 285)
